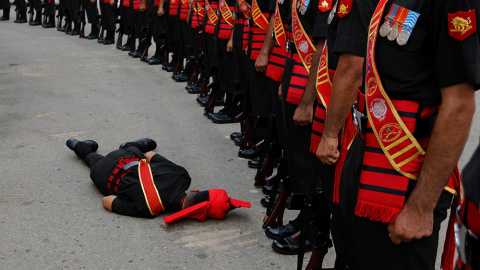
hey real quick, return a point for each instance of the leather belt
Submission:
(117, 174)
(129, 165)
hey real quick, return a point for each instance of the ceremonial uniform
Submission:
(157, 26)
(91, 10)
(36, 11)
(73, 7)
(21, 11)
(468, 217)
(49, 13)
(111, 178)
(414, 50)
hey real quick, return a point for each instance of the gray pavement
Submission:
(54, 87)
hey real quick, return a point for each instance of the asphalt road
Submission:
(54, 87)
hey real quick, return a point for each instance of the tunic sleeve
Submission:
(128, 208)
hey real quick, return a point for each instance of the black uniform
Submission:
(430, 60)
(171, 181)
(5, 5)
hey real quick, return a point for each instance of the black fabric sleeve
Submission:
(157, 158)
(124, 207)
(352, 33)
(320, 27)
(271, 6)
(456, 61)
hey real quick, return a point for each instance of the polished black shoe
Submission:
(193, 89)
(154, 60)
(223, 119)
(238, 141)
(202, 100)
(21, 20)
(34, 23)
(100, 40)
(265, 201)
(248, 153)
(237, 134)
(181, 77)
(170, 68)
(48, 25)
(61, 29)
(287, 246)
(135, 54)
(4, 18)
(72, 143)
(253, 163)
(267, 190)
(279, 232)
(144, 145)
(108, 41)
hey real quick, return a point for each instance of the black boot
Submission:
(138, 53)
(94, 33)
(38, 18)
(50, 22)
(110, 38)
(128, 44)
(171, 66)
(184, 76)
(76, 29)
(22, 18)
(158, 57)
(6, 15)
(82, 148)
(144, 145)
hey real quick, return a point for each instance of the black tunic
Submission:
(170, 179)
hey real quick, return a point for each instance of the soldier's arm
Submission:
(451, 129)
(262, 60)
(161, 11)
(304, 112)
(348, 77)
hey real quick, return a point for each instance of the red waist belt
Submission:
(276, 63)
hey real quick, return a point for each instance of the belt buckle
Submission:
(219, 13)
(288, 46)
(234, 15)
(357, 118)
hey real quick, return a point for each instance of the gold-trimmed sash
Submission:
(304, 45)
(212, 16)
(226, 12)
(244, 8)
(279, 29)
(258, 18)
(154, 202)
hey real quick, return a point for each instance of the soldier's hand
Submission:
(142, 7)
(160, 11)
(230, 45)
(261, 63)
(327, 150)
(92, 1)
(303, 115)
(112, 2)
(411, 223)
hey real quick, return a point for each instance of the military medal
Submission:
(393, 33)
(389, 20)
(281, 2)
(408, 25)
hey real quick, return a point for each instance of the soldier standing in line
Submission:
(92, 14)
(5, 6)
(108, 10)
(49, 13)
(395, 194)
(36, 12)
(21, 11)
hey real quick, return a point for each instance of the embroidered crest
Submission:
(461, 25)
(324, 5)
(207, 7)
(345, 8)
(308, 59)
(378, 108)
(244, 7)
(390, 132)
(372, 86)
(222, 3)
(303, 46)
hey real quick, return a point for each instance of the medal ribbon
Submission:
(152, 198)
(304, 45)
(399, 145)
(280, 30)
(226, 12)
(258, 18)
(211, 14)
(242, 4)
(410, 21)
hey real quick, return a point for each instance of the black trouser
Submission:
(4, 4)
(37, 5)
(185, 40)
(73, 8)
(139, 21)
(225, 63)
(21, 5)
(125, 18)
(108, 15)
(301, 162)
(49, 7)
(92, 12)
(63, 9)
(371, 247)
(210, 59)
(171, 32)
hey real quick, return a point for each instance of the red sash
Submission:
(212, 17)
(173, 8)
(184, 9)
(244, 8)
(276, 63)
(279, 29)
(201, 9)
(393, 155)
(136, 4)
(150, 191)
(303, 42)
(258, 17)
(126, 3)
(226, 12)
